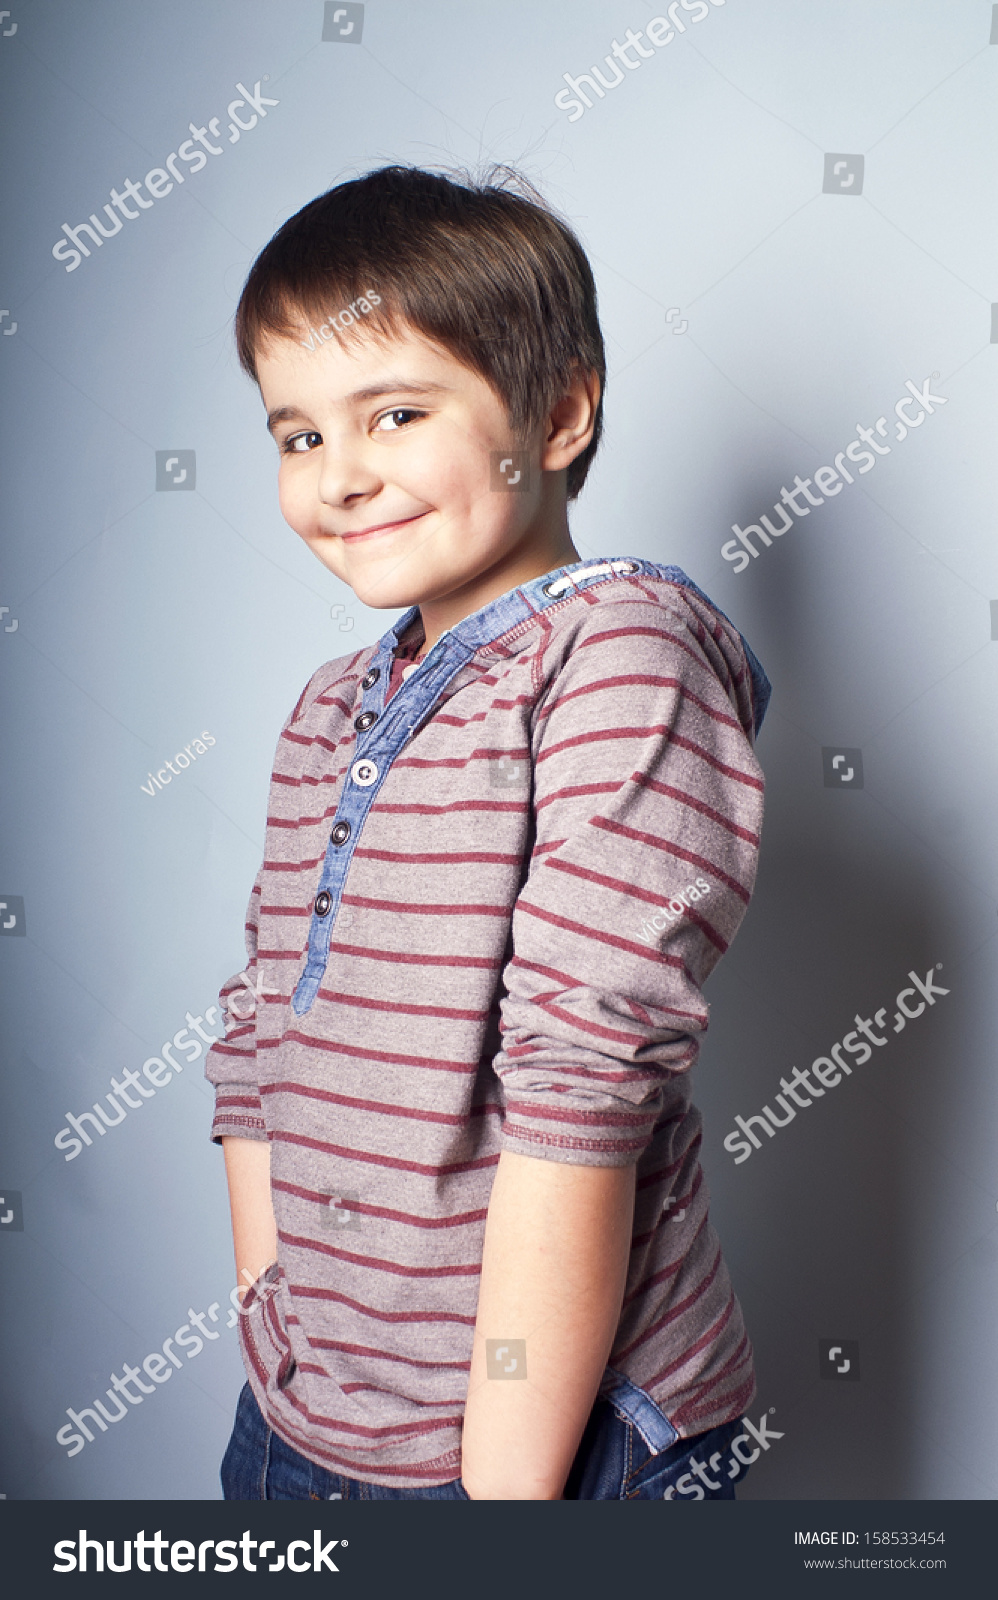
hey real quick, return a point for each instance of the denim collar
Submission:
(517, 607)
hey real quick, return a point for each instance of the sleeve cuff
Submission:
(575, 1151)
(238, 1114)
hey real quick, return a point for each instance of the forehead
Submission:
(358, 368)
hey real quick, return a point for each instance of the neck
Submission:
(516, 567)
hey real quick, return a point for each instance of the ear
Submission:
(570, 423)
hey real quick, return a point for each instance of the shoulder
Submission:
(642, 634)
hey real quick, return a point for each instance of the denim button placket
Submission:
(394, 726)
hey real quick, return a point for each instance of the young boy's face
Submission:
(387, 453)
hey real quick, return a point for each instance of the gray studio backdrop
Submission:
(790, 212)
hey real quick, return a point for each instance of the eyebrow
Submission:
(372, 391)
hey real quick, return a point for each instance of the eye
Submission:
(300, 443)
(392, 421)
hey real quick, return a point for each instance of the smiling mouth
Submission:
(380, 527)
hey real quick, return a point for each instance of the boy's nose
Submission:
(345, 477)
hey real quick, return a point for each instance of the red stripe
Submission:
(401, 1431)
(388, 1355)
(583, 1119)
(378, 1264)
(414, 958)
(333, 1296)
(367, 1053)
(634, 892)
(675, 1311)
(598, 937)
(379, 1108)
(393, 1163)
(652, 680)
(708, 1338)
(690, 800)
(459, 1219)
(400, 908)
(668, 1269)
(417, 809)
(668, 847)
(493, 857)
(399, 1007)
(570, 791)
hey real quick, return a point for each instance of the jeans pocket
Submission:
(701, 1468)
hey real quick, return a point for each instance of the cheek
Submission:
(431, 468)
(295, 497)
(448, 460)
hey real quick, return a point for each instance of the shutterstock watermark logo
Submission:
(192, 1040)
(341, 1212)
(843, 174)
(188, 1555)
(839, 1359)
(244, 112)
(710, 1474)
(659, 32)
(804, 1087)
(176, 469)
(342, 24)
(510, 470)
(250, 991)
(12, 922)
(506, 1358)
(863, 453)
(842, 766)
(509, 770)
(201, 1330)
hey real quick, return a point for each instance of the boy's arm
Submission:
(254, 1227)
(238, 1125)
(648, 805)
(557, 1243)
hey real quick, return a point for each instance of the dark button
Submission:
(370, 678)
(340, 834)
(366, 720)
(323, 902)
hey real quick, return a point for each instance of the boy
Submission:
(505, 847)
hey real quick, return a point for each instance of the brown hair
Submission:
(485, 270)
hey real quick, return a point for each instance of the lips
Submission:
(380, 527)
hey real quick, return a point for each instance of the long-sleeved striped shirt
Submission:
(486, 911)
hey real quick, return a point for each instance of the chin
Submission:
(389, 596)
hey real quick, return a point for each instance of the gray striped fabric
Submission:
(557, 859)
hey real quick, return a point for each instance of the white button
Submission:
(364, 773)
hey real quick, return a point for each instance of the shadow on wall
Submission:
(816, 1223)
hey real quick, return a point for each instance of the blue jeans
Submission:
(613, 1462)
